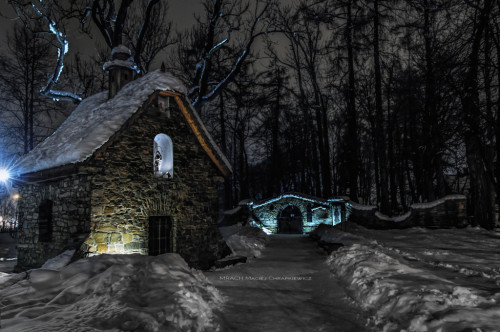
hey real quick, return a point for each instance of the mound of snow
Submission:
(400, 297)
(333, 235)
(59, 261)
(111, 292)
(245, 240)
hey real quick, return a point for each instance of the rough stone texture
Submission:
(121, 193)
(323, 212)
(126, 193)
(70, 218)
(451, 212)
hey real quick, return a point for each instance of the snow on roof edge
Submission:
(214, 145)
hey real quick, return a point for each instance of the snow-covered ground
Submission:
(245, 241)
(115, 292)
(287, 289)
(110, 293)
(394, 280)
(420, 279)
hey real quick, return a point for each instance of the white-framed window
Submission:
(163, 157)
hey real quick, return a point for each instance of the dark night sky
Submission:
(181, 13)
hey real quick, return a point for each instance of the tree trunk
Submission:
(379, 114)
(430, 116)
(352, 128)
(498, 129)
(274, 183)
(32, 97)
(26, 109)
(390, 140)
(481, 185)
(228, 193)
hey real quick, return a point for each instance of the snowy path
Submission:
(257, 301)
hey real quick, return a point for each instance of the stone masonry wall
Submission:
(268, 214)
(70, 218)
(125, 192)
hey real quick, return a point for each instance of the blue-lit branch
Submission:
(289, 196)
(238, 64)
(62, 49)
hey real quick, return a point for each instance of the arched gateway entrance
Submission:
(290, 220)
(296, 213)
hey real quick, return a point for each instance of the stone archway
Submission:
(313, 211)
(290, 220)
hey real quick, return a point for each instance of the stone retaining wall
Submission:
(449, 211)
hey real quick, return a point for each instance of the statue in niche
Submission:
(157, 162)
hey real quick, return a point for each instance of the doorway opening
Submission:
(290, 220)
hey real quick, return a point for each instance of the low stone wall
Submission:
(446, 212)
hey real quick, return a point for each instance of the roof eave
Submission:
(200, 132)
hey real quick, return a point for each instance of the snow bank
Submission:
(333, 235)
(469, 252)
(110, 292)
(59, 261)
(400, 297)
(245, 240)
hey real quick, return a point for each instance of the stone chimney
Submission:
(121, 69)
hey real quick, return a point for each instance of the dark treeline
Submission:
(389, 102)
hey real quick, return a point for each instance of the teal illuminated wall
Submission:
(313, 211)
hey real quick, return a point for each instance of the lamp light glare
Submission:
(4, 175)
(16, 196)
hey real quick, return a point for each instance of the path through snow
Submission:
(289, 288)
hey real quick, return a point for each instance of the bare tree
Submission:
(26, 115)
(231, 27)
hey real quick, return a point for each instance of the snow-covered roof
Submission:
(96, 119)
(130, 64)
(120, 49)
(121, 57)
(305, 197)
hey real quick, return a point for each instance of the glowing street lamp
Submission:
(4, 175)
